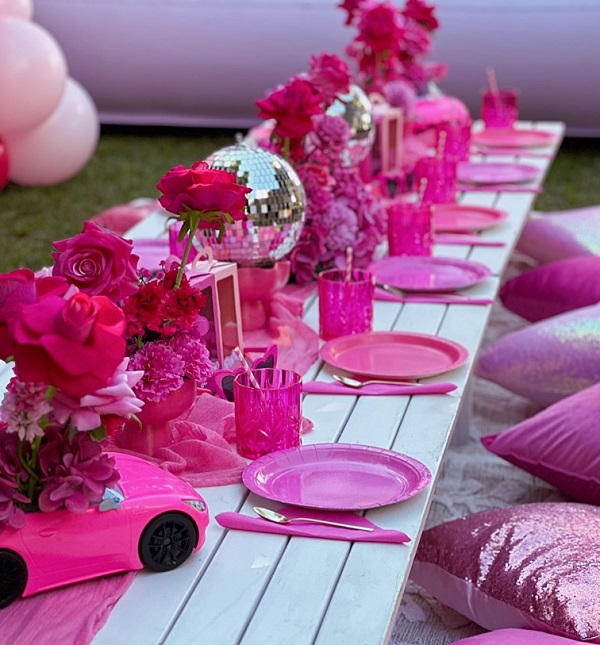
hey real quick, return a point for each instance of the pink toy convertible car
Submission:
(151, 519)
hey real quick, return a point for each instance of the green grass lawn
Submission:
(129, 162)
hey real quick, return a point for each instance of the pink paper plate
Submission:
(151, 253)
(336, 476)
(458, 217)
(473, 172)
(424, 273)
(393, 355)
(512, 138)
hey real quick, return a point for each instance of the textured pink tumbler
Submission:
(345, 305)
(435, 178)
(267, 418)
(499, 109)
(453, 140)
(409, 228)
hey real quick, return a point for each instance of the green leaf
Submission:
(98, 433)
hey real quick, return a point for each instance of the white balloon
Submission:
(33, 71)
(17, 8)
(61, 146)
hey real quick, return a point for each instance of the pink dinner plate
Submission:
(151, 253)
(512, 138)
(435, 274)
(393, 355)
(495, 173)
(448, 218)
(336, 476)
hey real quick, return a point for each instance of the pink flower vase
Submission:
(155, 418)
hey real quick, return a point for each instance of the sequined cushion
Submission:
(515, 637)
(560, 445)
(562, 234)
(553, 288)
(534, 566)
(547, 360)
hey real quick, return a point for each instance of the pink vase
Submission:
(155, 430)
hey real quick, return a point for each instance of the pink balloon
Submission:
(33, 71)
(17, 8)
(61, 146)
(4, 165)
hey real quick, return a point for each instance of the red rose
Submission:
(380, 27)
(74, 344)
(331, 75)
(293, 107)
(422, 13)
(98, 262)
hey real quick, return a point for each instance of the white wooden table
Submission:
(251, 588)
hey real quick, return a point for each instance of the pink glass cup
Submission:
(435, 180)
(409, 228)
(345, 306)
(453, 140)
(267, 418)
(499, 109)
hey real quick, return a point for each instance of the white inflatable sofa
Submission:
(205, 62)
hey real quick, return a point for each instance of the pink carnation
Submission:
(331, 75)
(163, 371)
(342, 227)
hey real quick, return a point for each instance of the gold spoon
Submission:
(353, 382)
(278, 518)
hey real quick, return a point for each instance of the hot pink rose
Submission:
(352, 7)
(380, 27)
(75, 344)
(293, 107)
(98, 262)
(422, 13)
(331, 75)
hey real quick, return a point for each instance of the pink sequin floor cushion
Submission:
(547, 360)
(515, 637)
(561, 234)
(534, 566)
(560, 445)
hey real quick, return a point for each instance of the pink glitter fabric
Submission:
(547, 360)
(515, 637)
(535, 564)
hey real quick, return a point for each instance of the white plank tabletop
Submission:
(252, 588)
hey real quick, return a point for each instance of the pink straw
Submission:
(492, 81)
(244, 362)
(349, 258)
(422, 189)
(441, 147)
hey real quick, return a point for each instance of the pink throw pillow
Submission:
(534, 566)
(515, 637)
(553, 288)
(561, 234)
(548, 360)
(560, 445)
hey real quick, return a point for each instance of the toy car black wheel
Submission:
(13, 577)
(168, 541)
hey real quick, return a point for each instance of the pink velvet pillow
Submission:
(561, 234)
(534, 566)
(553, 288)
(548, 360)
(560, 445)
(515, 637)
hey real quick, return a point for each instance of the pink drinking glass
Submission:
(499, 109)
(438, 176)
(345, 305)
(409, 228)
(269, 417)
(453, 140)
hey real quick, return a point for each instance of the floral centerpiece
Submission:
(91, 342)
(341, 210)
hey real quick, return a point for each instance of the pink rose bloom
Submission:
(422, 13)
(380, 27)
(417, 40)
(98, 262)
(331, 75)
(117, 398)
(203, 189)
(342, 227)
(75, 344)
(293, 107)
(352, 7)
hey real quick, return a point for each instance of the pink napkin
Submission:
(320, 387)
(469, 240)
(306, 529)
(380, 294)
(499, 188)
(72, 614)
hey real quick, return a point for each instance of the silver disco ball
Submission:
(276, 207)
(357, 110)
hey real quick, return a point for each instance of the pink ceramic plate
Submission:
(458, 217)
(510, 138)
(151, 253)
(495, 173)
(336, 476)
(420, 273)
(393, 355)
